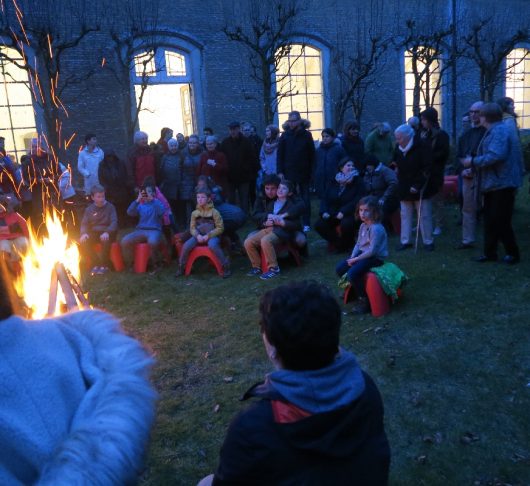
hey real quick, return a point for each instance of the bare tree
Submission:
(134, 46)
(266, 36)
(358, 65)
(44, 34)
(431, 55)
(489, 42)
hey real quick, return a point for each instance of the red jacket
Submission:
(219, 172)
(12, 226)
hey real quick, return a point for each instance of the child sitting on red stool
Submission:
(206, 226)
(370, 250)
(14, 235)
(99, 225)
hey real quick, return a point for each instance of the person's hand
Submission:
(413, 190)
(279, 221)
(83, 238)
(467, 161)
(467, 173)
(140, 197)
(381, 202)
(339, 215)
(212, 162)
(325, 215)
(205, 238)
(269, 222)
(104, 236)
(351, 261)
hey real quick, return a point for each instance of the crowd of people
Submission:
(319, 417)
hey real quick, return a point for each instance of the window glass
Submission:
(518, 84)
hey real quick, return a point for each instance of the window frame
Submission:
(522, 107)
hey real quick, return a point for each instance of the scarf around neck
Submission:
(270, 147)
(344, 179)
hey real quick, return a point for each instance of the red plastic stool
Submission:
(115, 255)
(203, 251)
(379, 301)
(283, 247)
(142, 252)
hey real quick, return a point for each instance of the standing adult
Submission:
(88, 162)
(353, 144)
(242, 165)
(296, 160)
(213, 164)
(249, 131)
(112, 175)
(165, 135)
(269, 150)
(499, 163)
(328, 155)
(191, 154)
(438, 139)
(40, 175)
(468, 144)
(414, 159)
(142, 160)
(170, 175)
(8, 177)
(379, 142)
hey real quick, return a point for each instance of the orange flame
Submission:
(38, 263)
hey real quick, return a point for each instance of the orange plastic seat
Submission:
(379, 301)
(203, 251)
(142, 253)
(450, 187)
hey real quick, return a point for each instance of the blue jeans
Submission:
(357, 271)
(213, 243)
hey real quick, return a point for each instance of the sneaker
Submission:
(307, 229)
(103, 270)
(254, 272)
(437, 231)
(404, 246)
(94, 271)
(180, 270)
(428, 247)
(226, 270)
(273, 271)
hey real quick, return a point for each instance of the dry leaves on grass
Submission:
(469, 438)
(435, 438)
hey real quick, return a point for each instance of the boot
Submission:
(226, 270)
(361, 306)
(180, 270)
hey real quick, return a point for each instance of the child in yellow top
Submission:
(206, 226)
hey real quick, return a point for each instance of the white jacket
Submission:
(76, 406)
(88, 165)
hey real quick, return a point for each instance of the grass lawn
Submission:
(452, 359)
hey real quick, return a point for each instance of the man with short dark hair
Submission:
(296, 159)
(242, 165)
(320, 417)
(88, 162)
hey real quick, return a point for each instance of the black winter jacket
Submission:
(243, 163)
(345, 201)
(347, 446)
(296, 155)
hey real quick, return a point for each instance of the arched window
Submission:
(518, 84)
(17, 116)
(162, 86)
(422, 80)
(299, 86)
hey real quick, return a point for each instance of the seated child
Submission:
(14, 235)
(205, 227)
(267, 193)
(370, 250)
(150, 211)
(233, 216)
(279, 225)
(99, 225)
(168, 220)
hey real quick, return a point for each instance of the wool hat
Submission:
(234, 124)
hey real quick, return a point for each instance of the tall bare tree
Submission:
(133, 48)
(359, 63)
(266, 35)
(44, 34)
(488, 42)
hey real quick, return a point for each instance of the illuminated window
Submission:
(428, 81)
(518, 84)
(163, 87)
(17, 116)
(299, 83)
